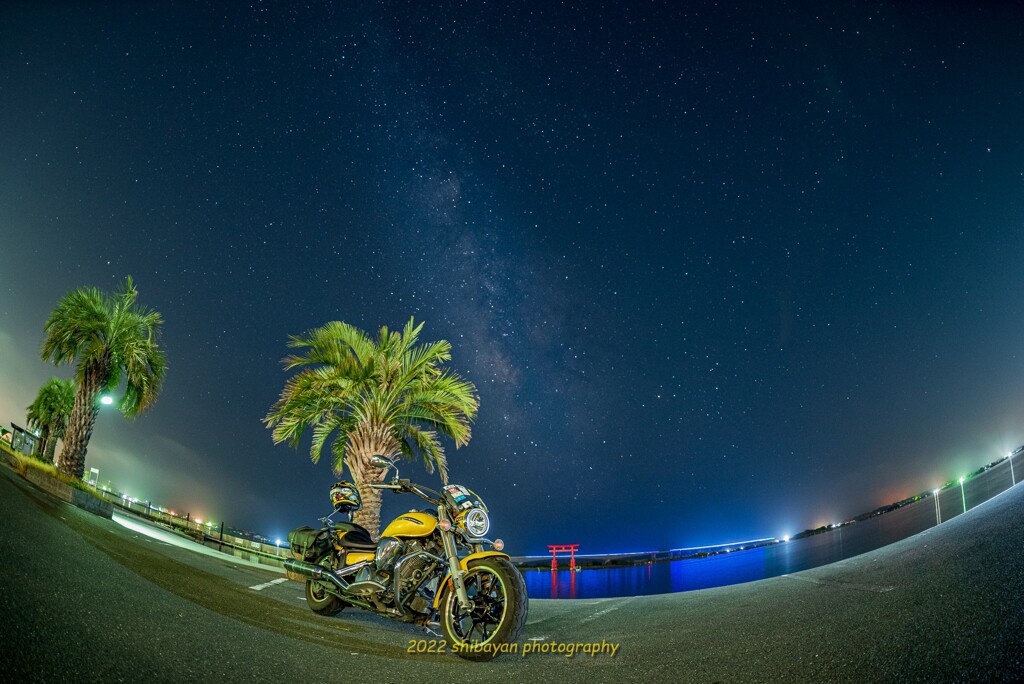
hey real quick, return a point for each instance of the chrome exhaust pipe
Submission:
(314, 572)
(320, 572)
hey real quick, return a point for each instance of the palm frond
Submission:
(110, 335)
(385, 394)
(75, 326)
(430, 448)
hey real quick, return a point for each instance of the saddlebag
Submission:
(308, 544)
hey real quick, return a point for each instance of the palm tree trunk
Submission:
(44, 441)
(82, 420)
(368, 514)
(51, 447)
(358, 461)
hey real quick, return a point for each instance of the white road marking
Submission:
(601, 612)
(261, 587)
(846, 585)
(804, 579)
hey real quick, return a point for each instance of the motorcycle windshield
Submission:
(460, 498)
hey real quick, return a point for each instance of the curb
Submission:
(62, 491)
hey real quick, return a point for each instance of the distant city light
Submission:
(747, 542)
(728, 547)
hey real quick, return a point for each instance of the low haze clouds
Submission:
(21, 375)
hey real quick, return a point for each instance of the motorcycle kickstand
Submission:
(427, 630)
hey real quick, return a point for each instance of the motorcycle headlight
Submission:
(477, 523)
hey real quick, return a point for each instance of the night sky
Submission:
(718, 273)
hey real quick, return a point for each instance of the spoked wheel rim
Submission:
(318, 589)
(487, 598)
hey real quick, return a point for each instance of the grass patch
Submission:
(6, 448)
(23, 463)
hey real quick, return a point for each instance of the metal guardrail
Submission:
(218, 536)
(974, 489)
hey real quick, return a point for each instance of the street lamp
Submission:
(963, 497)
(938, 513)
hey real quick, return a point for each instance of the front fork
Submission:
(448, 540)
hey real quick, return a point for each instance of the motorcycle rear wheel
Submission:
(497, 593)
(317, 597)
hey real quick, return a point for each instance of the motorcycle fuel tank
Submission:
(411, 525)
(353, 557)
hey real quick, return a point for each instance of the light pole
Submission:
(938, 512)
(963, 497)
(1013, 478)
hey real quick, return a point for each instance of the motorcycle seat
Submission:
(354, 537)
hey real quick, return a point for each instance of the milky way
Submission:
(717, 273)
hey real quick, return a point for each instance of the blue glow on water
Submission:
(770, 560)
(727, 544)
(736, 544)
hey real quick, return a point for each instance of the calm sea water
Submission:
(778, 559)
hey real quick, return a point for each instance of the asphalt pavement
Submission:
(85, 599)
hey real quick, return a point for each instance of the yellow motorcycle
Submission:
(432, 568)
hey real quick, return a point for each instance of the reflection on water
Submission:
(770, 561)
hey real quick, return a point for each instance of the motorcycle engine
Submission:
(415, 579)
(374, 582)
(389, 550)
(415, 584)
(412, 573)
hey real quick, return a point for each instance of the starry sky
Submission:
(719, 272)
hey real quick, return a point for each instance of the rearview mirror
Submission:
(380, 462)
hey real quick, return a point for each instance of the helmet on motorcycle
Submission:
(345, 497)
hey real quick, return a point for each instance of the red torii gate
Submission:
(571, 549)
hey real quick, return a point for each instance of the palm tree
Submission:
(49, 412)
(109, 338)
(387, 397)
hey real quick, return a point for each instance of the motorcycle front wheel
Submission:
(497, 613)
(317, 598)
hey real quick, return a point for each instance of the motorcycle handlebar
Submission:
(404, 485)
